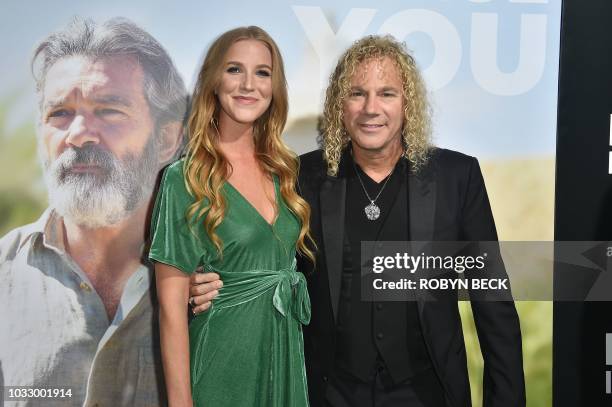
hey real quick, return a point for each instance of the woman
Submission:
(230, 207)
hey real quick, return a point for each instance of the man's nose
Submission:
(371, 105)
(82, 131)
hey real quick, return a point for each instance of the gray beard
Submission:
(106, 197)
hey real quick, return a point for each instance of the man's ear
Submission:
(171, 137)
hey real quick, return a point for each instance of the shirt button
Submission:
(379, 335)
(379, 307)
(84, 286)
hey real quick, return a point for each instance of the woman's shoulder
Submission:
(173, 178)
(174, 171)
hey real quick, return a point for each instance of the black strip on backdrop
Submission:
(583, 202)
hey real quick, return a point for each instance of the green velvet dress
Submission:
(247, 350)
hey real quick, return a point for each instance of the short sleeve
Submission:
(173, 241)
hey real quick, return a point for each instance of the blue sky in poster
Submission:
(492, 65)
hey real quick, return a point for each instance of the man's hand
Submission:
(203, 288)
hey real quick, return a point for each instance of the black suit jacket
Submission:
(447, 202)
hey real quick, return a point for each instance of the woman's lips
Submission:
(247, 100)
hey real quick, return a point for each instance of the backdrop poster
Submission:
(491, 68)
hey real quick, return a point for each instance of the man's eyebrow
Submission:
(101, 99)
(112, 100)
(382, 89)
(388, 88)
(52, 104)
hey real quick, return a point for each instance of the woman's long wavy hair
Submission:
(416, 133)
(206, 168)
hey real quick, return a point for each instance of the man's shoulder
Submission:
(449, 164)
(13, 241)
(312, 172)
(313, 167)
(450, 159)
(313, 161)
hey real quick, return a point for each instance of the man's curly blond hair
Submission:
(416, 131)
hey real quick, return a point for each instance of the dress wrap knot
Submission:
(290, 297)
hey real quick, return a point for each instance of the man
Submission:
(75, 302)
(378, 178)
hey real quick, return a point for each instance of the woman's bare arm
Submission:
(173, 293)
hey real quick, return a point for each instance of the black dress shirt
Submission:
(375, 337)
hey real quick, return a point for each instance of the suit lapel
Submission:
(422, 207)
(333, 197)
(421, 210)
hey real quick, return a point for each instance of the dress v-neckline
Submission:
(250, 205)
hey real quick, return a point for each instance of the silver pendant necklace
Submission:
(372, 210)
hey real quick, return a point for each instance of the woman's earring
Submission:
(213, 122)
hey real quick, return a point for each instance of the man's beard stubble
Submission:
(109, 194)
